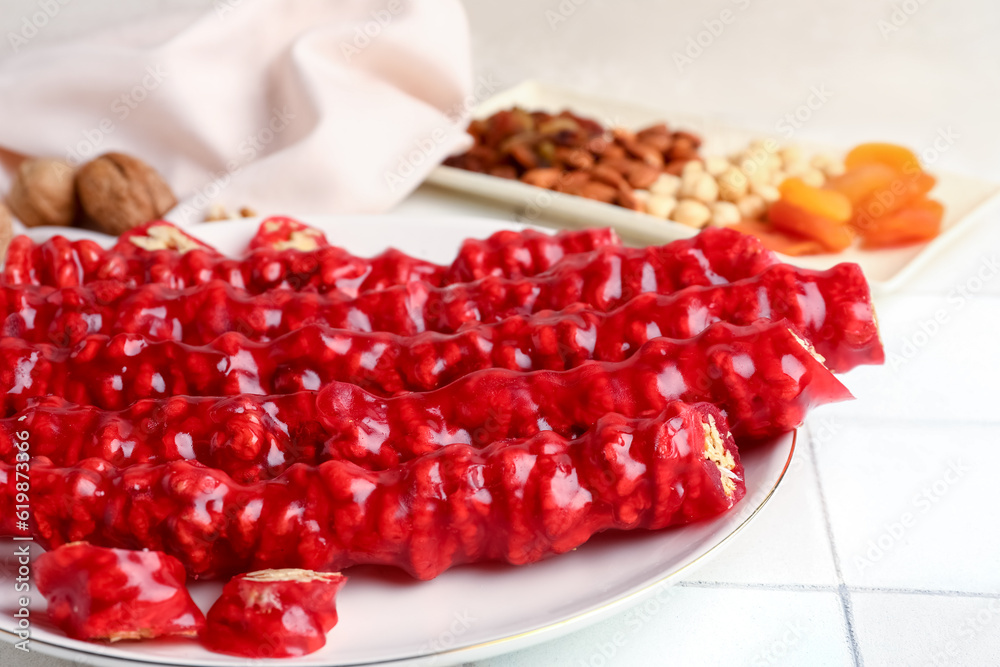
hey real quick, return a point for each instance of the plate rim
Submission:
(485, 649)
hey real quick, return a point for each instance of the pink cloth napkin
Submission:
(285, 106)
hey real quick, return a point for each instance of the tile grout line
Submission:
(889, 421)
(805, 588)
(821, 588)
(923, 591)
(842, 592)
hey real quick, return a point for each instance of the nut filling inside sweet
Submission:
(165, 237)
(304, 240)
(716, 452)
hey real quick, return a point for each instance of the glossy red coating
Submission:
(274, 613)
(95, 592)
(604, 279)
(517, 501)
(271, 265)
(248, 437)
(833, 309)
(762, 376)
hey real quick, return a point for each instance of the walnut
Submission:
(42, 193)
(6, 229)
(119, 192)
(716, 452)
(166, 237)
(305, 240)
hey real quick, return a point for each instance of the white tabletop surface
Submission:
(829, 574)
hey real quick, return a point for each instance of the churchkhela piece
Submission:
(285, 254)
(603, 280)
(516, 501)
(832, 309)
(274, 613)
(763, 375)
(96, 593)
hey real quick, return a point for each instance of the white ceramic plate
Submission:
(886, 269)
(469, 612)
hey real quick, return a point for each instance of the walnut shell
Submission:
(119, 192)
(6, 229)
(42, 193)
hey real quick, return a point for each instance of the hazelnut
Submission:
(119, 192)
(666, 184)
(733, 184)
(6, 229)
(42, 193)
(767, 192)
(216, 212)
(725, 213)
(661, 206)
(692, 213)
(705, 189)
(716, 165)
(752, 207)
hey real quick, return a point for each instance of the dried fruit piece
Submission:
(776, 240)
(113, 594)
(274, 613)
(858, 183)
(919, 221)
(891, 198)
(43, 194)
(833, 235)
(824, 203)
(898, 158)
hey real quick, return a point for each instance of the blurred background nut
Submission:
(725, 213)
(6, 229)
(692, 213)
(119, 192)
(42, 193)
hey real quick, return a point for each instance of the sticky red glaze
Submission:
(760, 375)
(832, 309)
(603, 280)
(517, 501)
(99, 593)
(510, 254)
(58, 262)
(273, 618)
(114, 372)
(258, 437)
(248, 437)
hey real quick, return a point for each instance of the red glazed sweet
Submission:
(274, 613)
(603, 280)
(281, 233)
(832, 309)
(762, 375)
(516, 501)
(113, 594)
(161, 253)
